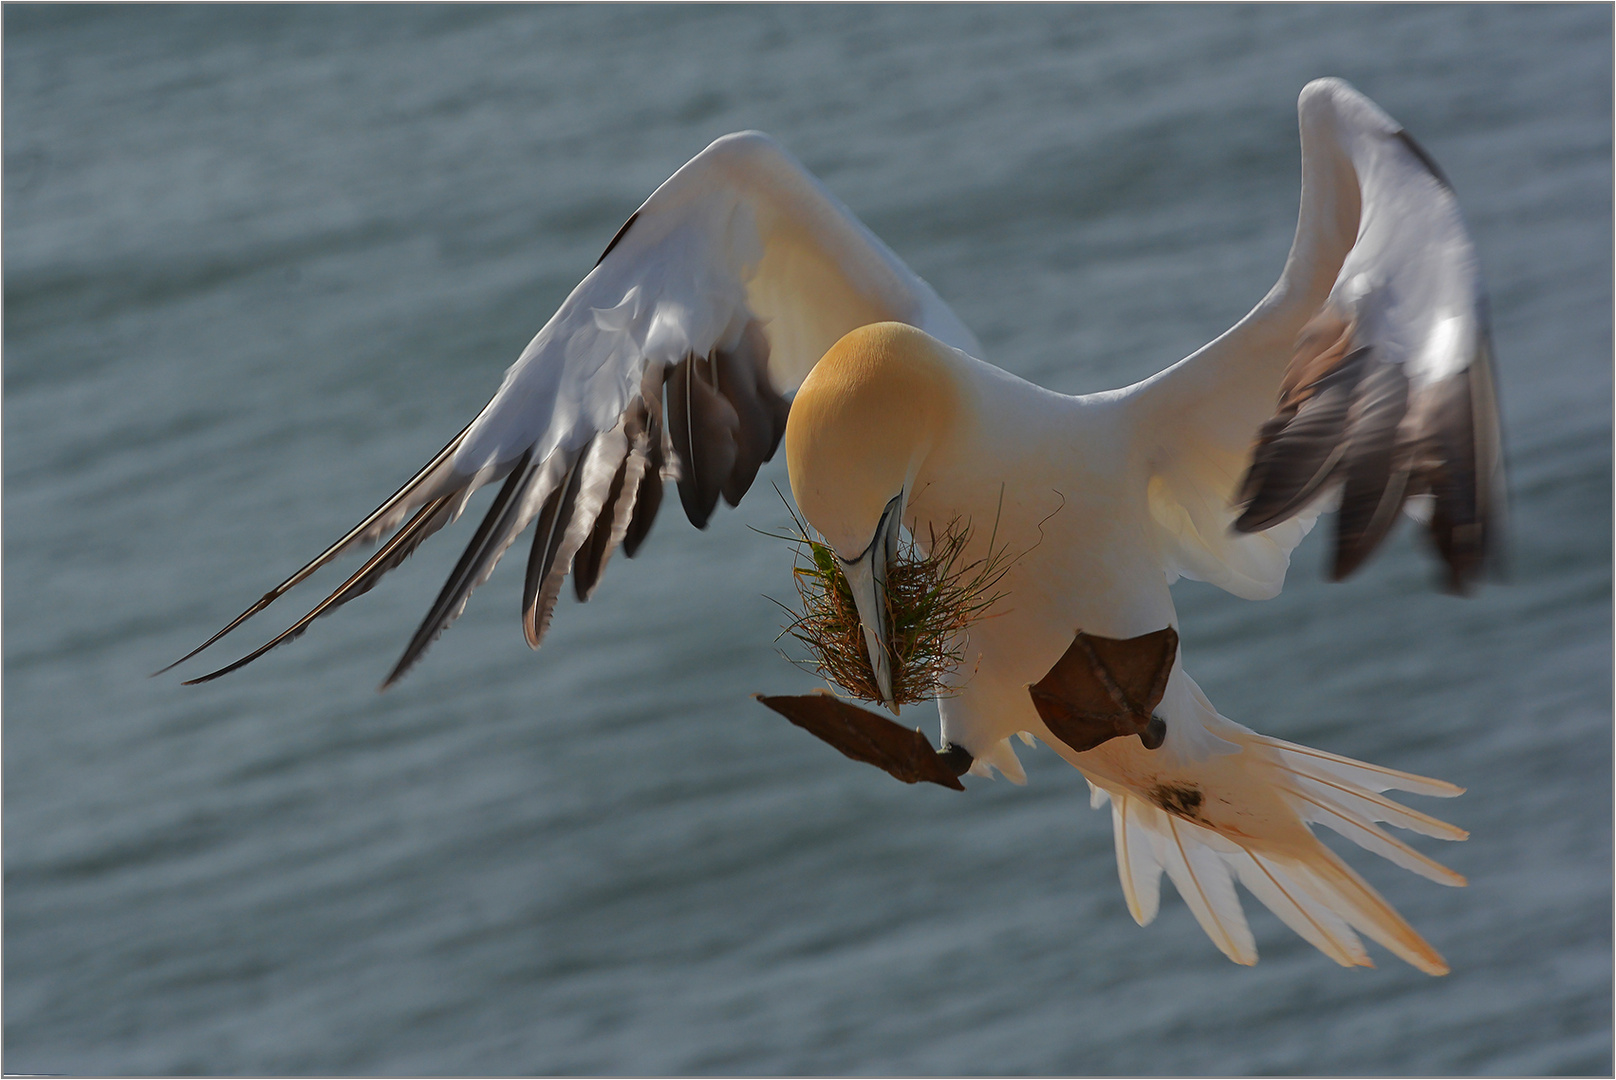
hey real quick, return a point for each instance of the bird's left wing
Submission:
(724, 288)
(1365, 374)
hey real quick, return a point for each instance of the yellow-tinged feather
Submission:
(805, 299)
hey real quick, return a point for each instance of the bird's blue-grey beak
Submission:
(867, 576)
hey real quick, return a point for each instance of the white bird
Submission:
(1363, 378)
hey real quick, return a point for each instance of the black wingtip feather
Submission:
(1375, 467)
(1366, 428)
(648, 496)
(348, 540)
(1424, 157)
(1299, 451)
(646, 504)
(548, 536)
(456, 588)
(263, 602)
(1466, 526)
(621, 232)
(743, 379)
(703, 424)
(403, 543)
(597, 547)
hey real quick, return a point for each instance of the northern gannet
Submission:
(1362, 380)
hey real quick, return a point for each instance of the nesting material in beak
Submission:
(923, 604)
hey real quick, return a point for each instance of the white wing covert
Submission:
(1364, 375)
(719, 294)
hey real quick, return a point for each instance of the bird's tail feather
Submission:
(1302, 881)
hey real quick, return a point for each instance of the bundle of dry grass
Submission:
(931, 599)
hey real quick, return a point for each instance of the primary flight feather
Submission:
(1362, 381)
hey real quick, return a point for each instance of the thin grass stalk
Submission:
(933, 597)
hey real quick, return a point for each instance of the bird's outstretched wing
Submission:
(1364, 375)
(723, 289)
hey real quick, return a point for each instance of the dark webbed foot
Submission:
(1104, 688)
(871, 738)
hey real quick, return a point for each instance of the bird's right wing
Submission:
(1365, 374)
(725, 288)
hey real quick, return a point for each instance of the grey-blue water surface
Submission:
(261, 262)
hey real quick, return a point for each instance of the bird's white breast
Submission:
(1054, 482)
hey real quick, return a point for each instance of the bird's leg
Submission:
(1104, 688)
(871, 738)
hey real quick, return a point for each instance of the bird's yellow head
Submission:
(862, 425)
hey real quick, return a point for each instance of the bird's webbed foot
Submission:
(1104, 688)
(871, 738)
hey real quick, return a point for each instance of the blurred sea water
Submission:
(260, 262)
